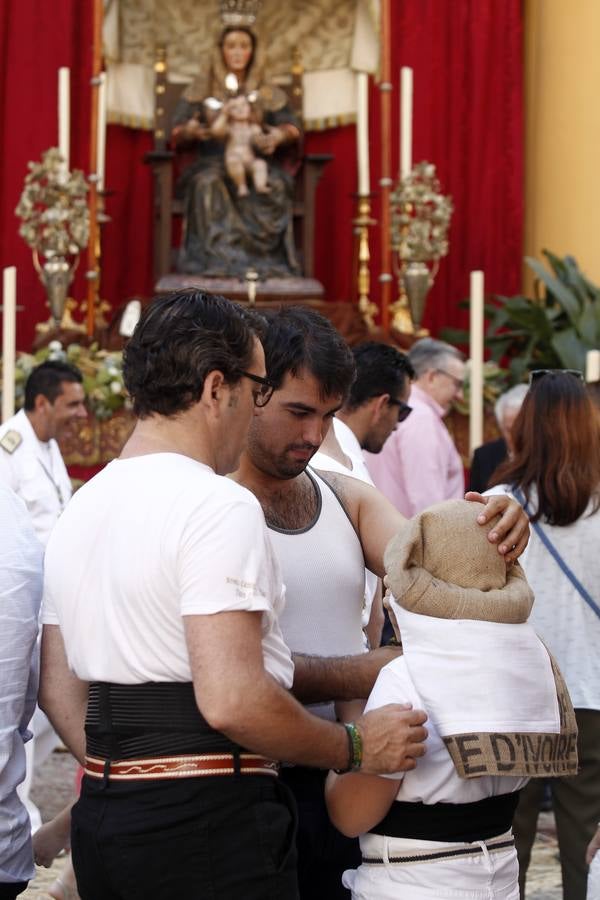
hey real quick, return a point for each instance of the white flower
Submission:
(55, 345)
(113, 371)
(115, 387)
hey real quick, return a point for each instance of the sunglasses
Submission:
(264, 393)
(536, 374)
(404, 410)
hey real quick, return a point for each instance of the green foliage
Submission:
(101, 370)
(552, 331)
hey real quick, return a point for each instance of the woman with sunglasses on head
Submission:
(555, 474)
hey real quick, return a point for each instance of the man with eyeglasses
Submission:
(419, 464)
(161, 603)
(325, 527)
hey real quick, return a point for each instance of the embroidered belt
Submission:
(421, 856)
(180, 766)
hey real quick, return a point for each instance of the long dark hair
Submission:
(556, 449)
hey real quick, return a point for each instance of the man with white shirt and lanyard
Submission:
(30, 459)
(32, 466)
(376, 405)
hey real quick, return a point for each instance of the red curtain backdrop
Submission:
(468, 120)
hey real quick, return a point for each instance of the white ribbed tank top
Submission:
(324, 574)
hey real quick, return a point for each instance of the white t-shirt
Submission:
(147, 541)
(567, 625)
(435, 780)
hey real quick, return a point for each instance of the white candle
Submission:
(101, 136)
(64, 113)
(406, 117)
(476, 362)
(592, 366)
(9, 317)
(362, 133)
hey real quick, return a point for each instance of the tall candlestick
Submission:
(406, 116)
(101, 136)
(362, 133)
(476, 363)
(9, 317)
(385, 180)
(64, 114)
(592, 366)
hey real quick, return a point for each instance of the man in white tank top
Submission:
(324, 533)
(375, 406)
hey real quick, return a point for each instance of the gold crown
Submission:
(239, 12)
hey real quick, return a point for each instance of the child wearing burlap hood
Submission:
(498, 710)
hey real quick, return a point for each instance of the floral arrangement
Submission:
(53, 207)
(420, 216)
(101, 370)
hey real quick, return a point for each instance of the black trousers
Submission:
(323, 853)
(10, 891)
(207, 838)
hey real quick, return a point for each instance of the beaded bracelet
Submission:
(355, 749)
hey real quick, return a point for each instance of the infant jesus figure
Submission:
(236, 123)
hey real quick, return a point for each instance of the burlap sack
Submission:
(434, 570)
(442, 564)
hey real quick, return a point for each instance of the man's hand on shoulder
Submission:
(393, 738)
(512, 531)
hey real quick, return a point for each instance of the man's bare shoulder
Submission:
(362, 500)
(352, 491)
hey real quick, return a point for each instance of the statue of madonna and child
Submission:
(238, 191)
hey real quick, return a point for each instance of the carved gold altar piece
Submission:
(420, 216)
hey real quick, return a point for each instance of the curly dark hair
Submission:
(179, 339)
(299, 338)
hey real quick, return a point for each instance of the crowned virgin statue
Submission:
(228, 230)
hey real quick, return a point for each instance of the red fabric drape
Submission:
(468, 112)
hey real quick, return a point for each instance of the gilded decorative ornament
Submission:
(420, 217)
(53, 208)
(55, 224)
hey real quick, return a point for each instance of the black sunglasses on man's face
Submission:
(404, 410)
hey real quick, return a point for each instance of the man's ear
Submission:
(41, 403)
(213, 388)
(378, 406)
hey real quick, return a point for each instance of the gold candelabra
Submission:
(361, 223)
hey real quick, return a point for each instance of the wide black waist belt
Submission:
(127, 721)
(450, 822)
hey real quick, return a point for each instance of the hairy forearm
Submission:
(318, 678)
(267, 720)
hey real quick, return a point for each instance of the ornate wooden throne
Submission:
(167, 209)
